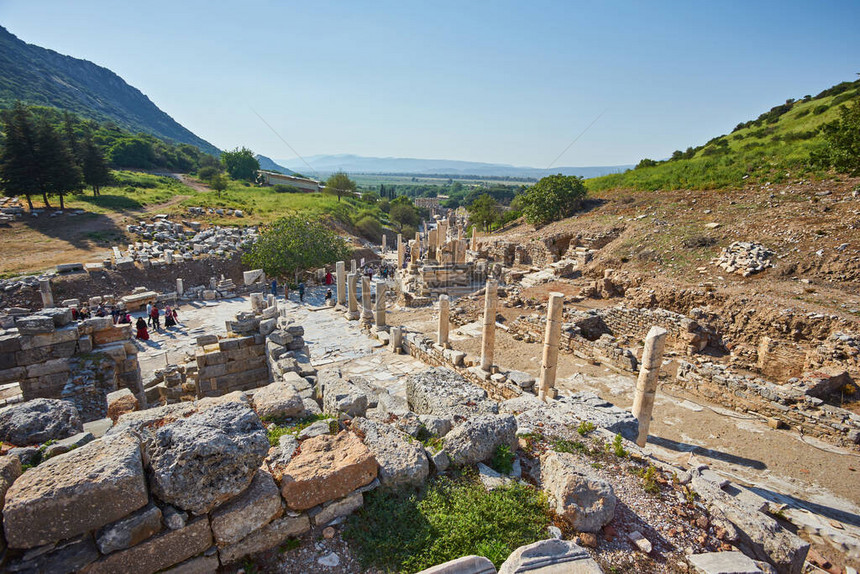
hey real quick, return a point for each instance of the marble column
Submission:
(340, 272)
(46, 293)
(549, 362)
(380, 307)
(397, 340)
(442, 331)
(488, 340)
(383, 243)
(366, 309)
(401, 251)
(353, 266)
(352, 310)
(180, 287)
(646, 384)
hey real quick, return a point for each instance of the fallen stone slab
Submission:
(443, 392)
(465, 565)
(723, 563)
(38, 421)
(401, 461)
(208, 458)
(159, 552)
(337, 508)
(267, 537)
(130, 531)
(63, 446)
(327, 468)
(581, 498)
(198, 565)
(64, 558)
(476, 440)
(258, 505)
(278, 400)
(552, 556)
(80, 491)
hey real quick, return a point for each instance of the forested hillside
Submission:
(38, 76)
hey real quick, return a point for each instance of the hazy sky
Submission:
(506, 82)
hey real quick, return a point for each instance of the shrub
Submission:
(370, 228)
(552, 198)
(618, 446)
(585, 427)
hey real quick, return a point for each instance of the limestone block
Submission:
(464, 565)
(401, 460)
(48, 368)
(83, 490)
(581, 498)
(38, 421)
(550, 557)
(159, 552)
(338, 508)
(63, 446)
(61, 335)
(199, 565)
(267, 537)
(199, 462)
(444, 392)
(278, 400)
(65, 558)
(258, 505)
(34, 324)
(477, 439)
(723, 563)
(328, 467)
(340, 395)
(130, 531)
(10, 470)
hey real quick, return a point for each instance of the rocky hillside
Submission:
(36, 75)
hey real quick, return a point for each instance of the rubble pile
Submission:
(170, 242)
(744, 258)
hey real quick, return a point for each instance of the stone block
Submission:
(465, 565)
(60, 315)
(338, 508)
(10, 470)
(10, 342)
(85, 344)
(112, 334)
(34, 324)
(66, 557)
(550, 557)
(723, 563)
(401, 460)
(55, 337)
(278, 400)
(83, 490)
(327, 468)
(159, 552)
(581, 498)
(269, 536)
(130, 531)
(199, 565)
(258, 505)
(48, 368)
(38, 421)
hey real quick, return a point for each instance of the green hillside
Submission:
(38, 76)
(775, 146)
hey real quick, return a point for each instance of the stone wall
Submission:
(233, 363)
(547, 250)
(794, 405)
(50, 356)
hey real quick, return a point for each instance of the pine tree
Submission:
(93, 164)
(56, 162)
(19, 165)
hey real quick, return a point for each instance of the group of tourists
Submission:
(153, 320)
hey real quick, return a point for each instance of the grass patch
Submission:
(569, 446)
(503, 459)
(294, 428)
(406, 532)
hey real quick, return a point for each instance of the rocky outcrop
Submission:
(477, 439)
(327, 467)
(401, 459)
(201, 461)
(585, 501)
(38, 421)
(80, 491)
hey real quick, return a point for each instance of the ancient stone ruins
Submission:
(114, 462)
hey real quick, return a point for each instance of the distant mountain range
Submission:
(389, 165)
(269, 165)
(42, 77)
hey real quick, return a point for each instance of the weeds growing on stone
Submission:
(569, 446)
(503, 459)
(585, 427)
(407, 532)
(618, 446)
(280, 429)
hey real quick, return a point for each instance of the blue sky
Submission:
(506, 82)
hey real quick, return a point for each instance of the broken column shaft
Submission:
(646, 384)
(47, 294)
(549, 363)
(340, 272)
(366, 310)
(380, 307)
(352, 310)
(488, 341)
(442, 332)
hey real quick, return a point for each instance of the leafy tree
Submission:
(403, 214)
(842, 142)
(93, 164)
(370, 228)
(293, 244)
(484, 211)
(240, 163)
(645, 162)
(219, 183)
(370, 197)
(19, 163)
(132, 151)
(552, 198)
(340, 183)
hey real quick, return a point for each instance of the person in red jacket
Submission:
(153, 315)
